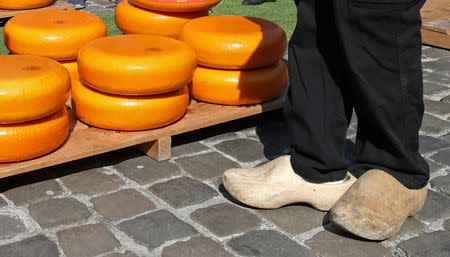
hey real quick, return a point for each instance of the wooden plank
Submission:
(435, 14)
(441, 26)
(435, 38)
(85, 141)
(432, 4)
(57, 5)
(158, 149)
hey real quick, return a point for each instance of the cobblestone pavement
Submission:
(126, 204)
(100, 6)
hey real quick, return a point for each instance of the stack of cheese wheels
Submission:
(133, 82)
(55, 34)
(33, 117)
(239, 59)
(23, 4)
(159, 17)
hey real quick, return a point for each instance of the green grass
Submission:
(282, 12)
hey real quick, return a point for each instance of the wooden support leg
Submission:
(158, 149)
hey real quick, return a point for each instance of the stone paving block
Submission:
(442, 157)
(437, 107)
(182, 192)
(431, 144)
(206, 166)
(226, 219)
(442, 184)
(91, 182)
(87, 240)
(437, 206)
(144, 169)
(155, 228)
(243, 150)
(434, 167)
(186, 149)
(56, 212)
(446, 225)
(267, 243)
(446, 99)
(294, 219)
(431, 88)
(122, 204)
(435, 53)
(411, 226)
(437, 78)
(437, 66)
(336, 244)
(445, 137)
(10, 226)
(37, 246)
(436, 244)
(126, 254)
(434, 126)
(196, 247)
(23, 194)
(3, 203)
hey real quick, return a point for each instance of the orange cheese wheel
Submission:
(128, 113)
(134, 20)
(31, 87)
(239, 87)
(32, 139)
(235, 42)
(72, 68)
(23, 4)
(56, 34)
(176, 5)
(136, 64)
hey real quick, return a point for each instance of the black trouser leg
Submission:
(317, 108)
(382, 45)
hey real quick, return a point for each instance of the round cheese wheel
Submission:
(176, 5)
(23, 4)
(72, 68)
(31, 87)
(235, 42)
(56, 34)
(128, 113)
(136, 64)
(32, 139)
(239, 87)
(134, 20)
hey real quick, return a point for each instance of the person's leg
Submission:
(318, 113)
(382, 44)
(318, 109)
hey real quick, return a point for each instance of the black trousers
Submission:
(363, 55)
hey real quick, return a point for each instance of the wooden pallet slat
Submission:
(85, 141)
(436, 23)
(56, 5)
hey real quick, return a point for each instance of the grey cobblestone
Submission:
(267, 243)
(243, 150)
(56, 212)
(436, 206)
(182, 192)
(196, 247)
(436, 244)
(92, 182)
(87, 240)
(226, 219)
(442, 184)
(10, 226)
(122, 204)
(337, 244)
(157, 227)
(37, 246)
(201, 166)
(295, 219)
